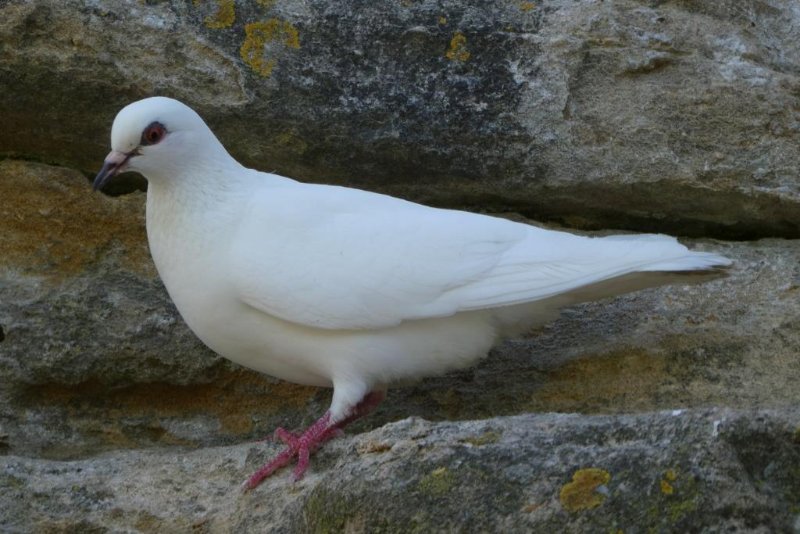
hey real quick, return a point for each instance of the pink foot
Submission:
(302, 445)
(296, 445)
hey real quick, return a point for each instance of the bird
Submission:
(348, 289)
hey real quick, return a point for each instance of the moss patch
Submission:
(290, 141)
(327, 511)
(438, 482)
(581, 493)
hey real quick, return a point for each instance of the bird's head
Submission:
(155, 137)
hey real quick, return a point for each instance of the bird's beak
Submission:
(114, 164)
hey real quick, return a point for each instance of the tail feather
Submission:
(672, 263)
(551, 264)
(620, 264)
(693, 261)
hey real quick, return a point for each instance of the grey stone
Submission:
(678, 117)
(109, 403)
(676, 407)
(698, 470)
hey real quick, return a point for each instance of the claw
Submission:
(270, 467)
(302, 445)
(299, 446)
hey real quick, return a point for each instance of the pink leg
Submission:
(370, 401)
(302, 445)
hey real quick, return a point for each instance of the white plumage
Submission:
(339, 287)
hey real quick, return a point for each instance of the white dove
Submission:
(337, 287)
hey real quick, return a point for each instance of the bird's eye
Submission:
(153, 134)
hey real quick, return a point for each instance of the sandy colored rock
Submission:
(54, 228)
(94, 347)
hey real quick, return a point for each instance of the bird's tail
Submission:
(672, 263)
(676, 257)
(632, 263)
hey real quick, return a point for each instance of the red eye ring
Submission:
(153, 134)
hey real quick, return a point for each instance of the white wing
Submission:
(339, 258)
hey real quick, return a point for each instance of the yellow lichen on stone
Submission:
(581, 494)
(265, 3)
(442, 20)
(669, 476)
(458, 48)
(261, 40)
(224, 16)
(527, 6)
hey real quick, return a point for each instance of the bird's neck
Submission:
(189, 212)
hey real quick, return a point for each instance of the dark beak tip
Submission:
(107, 172)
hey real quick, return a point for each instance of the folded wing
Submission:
(349, 259)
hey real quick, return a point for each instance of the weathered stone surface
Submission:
(90, 337)
(95, 357)
(707, 470)
(670, 116)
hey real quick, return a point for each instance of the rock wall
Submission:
(676, 116)
(528, 473)
(669, 116)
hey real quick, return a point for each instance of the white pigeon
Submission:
(337, 287)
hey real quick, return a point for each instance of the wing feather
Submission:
(339, 258)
